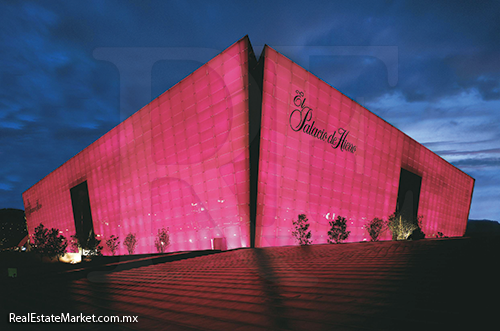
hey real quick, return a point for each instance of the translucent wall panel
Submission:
(324, 155)
(181, 163)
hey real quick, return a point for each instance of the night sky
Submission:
(71, 71)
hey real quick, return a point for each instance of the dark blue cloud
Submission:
(57, 97)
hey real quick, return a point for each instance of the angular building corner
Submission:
(181, 162)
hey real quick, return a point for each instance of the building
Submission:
(238, 149)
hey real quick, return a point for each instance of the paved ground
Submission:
(448, 284)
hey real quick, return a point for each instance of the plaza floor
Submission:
(432, 284)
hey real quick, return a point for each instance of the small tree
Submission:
(301, 233)
(73, 244)
(130, 242)
(112, 244)
(49, 242)
(338, 231)
(162, 240)
(400, 227)
(375, 228)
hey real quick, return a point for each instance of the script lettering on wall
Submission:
(300, 120)
(30, 209)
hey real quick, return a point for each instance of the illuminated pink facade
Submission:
(184, 162)
(351, 167)
(180, 162)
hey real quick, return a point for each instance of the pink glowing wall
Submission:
(180, 162)
(303, 174)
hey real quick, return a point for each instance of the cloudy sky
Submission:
(70, 71)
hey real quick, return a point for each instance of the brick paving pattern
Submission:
(448, 284)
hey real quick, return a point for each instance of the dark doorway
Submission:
(408, 195)
(82, 215)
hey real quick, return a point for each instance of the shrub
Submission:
(338, 231)
(301, 233)
(402, 228)
(49, 243)
(93, 248)
(73, 244)
(112, 244)
(440, 235)
(417, 234)
(130, 242)
(375, 228)
(162, 240)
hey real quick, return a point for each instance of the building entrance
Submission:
(408, 195)
(82, 215)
